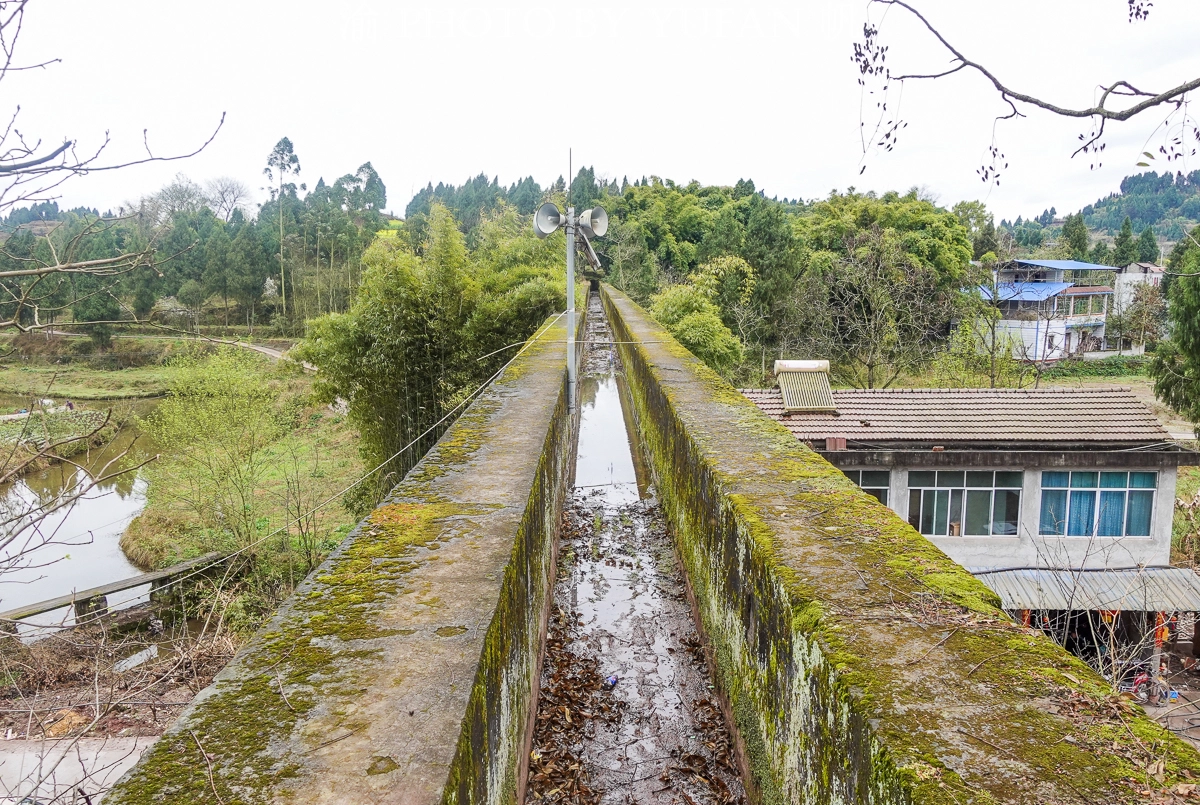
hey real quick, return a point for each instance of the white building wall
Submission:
(1042, 340)
(1030, 549)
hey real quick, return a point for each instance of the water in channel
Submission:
(627, 713)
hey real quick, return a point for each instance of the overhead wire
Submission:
(204, 568)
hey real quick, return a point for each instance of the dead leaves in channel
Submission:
(573, 705)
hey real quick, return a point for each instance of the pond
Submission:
(76, 546)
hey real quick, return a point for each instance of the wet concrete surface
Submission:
(627, 712)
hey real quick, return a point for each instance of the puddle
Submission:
(627, 713)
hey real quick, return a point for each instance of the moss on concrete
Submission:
(299, 692)
(861, 664)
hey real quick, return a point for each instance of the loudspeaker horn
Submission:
(546, 220)
(594, 222)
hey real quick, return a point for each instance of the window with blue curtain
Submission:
(1104, 504)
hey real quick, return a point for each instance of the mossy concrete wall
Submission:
(860, 664)
(404, 669)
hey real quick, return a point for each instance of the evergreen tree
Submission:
(1101, 255)
(1125, 248)
(1147, 246)
(1075, 236)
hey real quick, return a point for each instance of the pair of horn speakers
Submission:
(593, 223)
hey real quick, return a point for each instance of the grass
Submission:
(1184, 536)
(326, 460)
(52, 427)
(83, 383)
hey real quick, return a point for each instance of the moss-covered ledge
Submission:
(403, 669)
(860, 663)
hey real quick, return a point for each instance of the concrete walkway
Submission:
(54, 770)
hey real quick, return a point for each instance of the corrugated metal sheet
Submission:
(1159, 589)
(947, 416)
(806, 391)
(1064, 265)
(1025, 291)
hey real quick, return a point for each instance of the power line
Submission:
(203, 568)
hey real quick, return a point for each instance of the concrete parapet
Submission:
(404, 669)
(860, 664)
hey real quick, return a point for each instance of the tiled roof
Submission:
(1096, 415)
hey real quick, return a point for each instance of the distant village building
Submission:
(1061, 500)
(1056, 309)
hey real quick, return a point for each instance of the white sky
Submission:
(441, 91)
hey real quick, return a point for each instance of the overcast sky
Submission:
(441, 91)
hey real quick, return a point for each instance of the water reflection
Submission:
(75, 547)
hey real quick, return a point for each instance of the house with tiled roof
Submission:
(1033, 481)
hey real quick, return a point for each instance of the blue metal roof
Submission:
(1064, 265)
(1025, 291)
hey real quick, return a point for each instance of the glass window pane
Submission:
(1082, 517)
(1112, 514)
(878, 494)
(979, 512)
(956, 506)
(914, 509)
(1010, 479)
(1006, 512)
(875, 478)
(979, 479)
(940, 518)
(851, 474)
(1137, 522)
(1054, 511)
(1083, 480)
(1113, 480)
(951, 479)
(1143, 480)
(1054, 480)
(920, 478)
(927, 507)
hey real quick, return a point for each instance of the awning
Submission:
(1152, 589)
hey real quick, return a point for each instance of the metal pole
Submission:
(571, 307)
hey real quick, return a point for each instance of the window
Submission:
(1102, 504)
(873, 482)
(965, 502)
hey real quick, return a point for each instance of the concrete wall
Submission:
(861, 665)
(403, 670)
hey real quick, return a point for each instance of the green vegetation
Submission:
(246, 457)
(83, 383)
(433, 319)
(299, 258)
(1119, 366)
(1157, 206)
(1176, 364)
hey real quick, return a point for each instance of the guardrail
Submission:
(94, 601)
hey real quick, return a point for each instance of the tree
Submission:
(191, 294)
(1101, 255)
(690, 316)
(875, 312)
(97, 304)
(1147, 246)
(281, 162)
(1176, 363)
(1125, 248)
(215, 423)
(871, 57)
(411, 345)
(1075, 236)
(226, 195)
